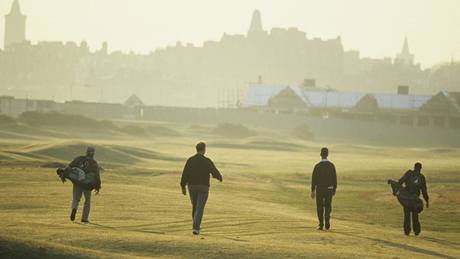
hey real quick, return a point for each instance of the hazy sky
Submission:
(376, 28)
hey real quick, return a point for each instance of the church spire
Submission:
(15, 8)
(256, 22)
(405, 49)
(405, 57)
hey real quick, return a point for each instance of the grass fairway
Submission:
(261, 210)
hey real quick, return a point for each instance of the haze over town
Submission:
(375, 28)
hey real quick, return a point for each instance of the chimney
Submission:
(309, 83)
(403, 90)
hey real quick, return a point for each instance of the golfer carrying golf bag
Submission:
(84, 173)
(414, 182)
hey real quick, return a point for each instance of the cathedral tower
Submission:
(15, 26)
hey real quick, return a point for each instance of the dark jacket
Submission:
(324, 177)
(89, 165)
(414, 182)
(197, 171)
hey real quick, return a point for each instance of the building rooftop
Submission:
(260, 94)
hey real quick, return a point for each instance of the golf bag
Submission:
(87, 181)
(405, 198)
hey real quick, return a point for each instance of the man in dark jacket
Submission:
(196, 175)
(323, 186)
(414, 182)
(88, 165)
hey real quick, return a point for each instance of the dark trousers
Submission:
(324, 206)
(198, 197)
(408, 214)
(77, 193)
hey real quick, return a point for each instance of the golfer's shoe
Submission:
(72, 214)
(196, 232)
(319, 228)
(84, 221)
(327, 226)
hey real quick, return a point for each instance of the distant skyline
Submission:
(375, 28)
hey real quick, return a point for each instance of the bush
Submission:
(303, 132)
(6, 120)
(233, 130)
(133, 130)
(162, 131)
(56, 119)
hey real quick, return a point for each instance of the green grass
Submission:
(261, 210)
